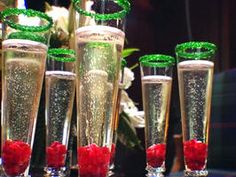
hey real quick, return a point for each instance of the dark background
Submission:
(157, 26)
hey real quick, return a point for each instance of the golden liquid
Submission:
(97, 87)
(156, 92)
(23, 71)
(195, 86)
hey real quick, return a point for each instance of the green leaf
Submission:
(129, 51)
(126, 132)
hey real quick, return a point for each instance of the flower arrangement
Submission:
(63, 25)
(130, 116)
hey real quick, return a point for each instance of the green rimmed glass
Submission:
(156, 79)
(157, 60)
(28, 36)
(195, 50)
(61, 54)
(195, 75)
(60, 79)
(123, 4)
(99, 12)
(26, 24)
(99, 50)
(23, 71)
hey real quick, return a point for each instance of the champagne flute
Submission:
(195, 75)
(98, 64)
(24, 51)
(60, 90)
(99, 43)
(156, 79)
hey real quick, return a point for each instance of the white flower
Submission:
(60, 17)
(127, 105)
(128, 78)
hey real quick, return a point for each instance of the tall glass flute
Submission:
(156, 79)
(60, 90)
(24, 51)
(98, 64)
(195, 74)
(99, 45)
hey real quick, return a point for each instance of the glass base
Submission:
(111, 168)
(3, 174)
(194, 173)
(52, 171)
(155, 172)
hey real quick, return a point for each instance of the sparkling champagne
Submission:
(99, 52)
(156, 99)
(60, 91)
(23, 71)
(195, 85)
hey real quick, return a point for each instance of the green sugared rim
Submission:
(29, 13)
(124, 4)
(98, 45)
(157, 60)
(27, 36)
(123, 63)
(59, 54)
(181, 50)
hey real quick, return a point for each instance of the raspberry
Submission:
(195, 153)
(93, 161)
(156, 155)
(56, 154)
(15, 157)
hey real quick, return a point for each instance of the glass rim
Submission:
(54, 54)
(29, 13)
(98, 44)
(180, 50)
(157, 60)
(124, 4)
(27, 36)
(99, 29)
(24, 43)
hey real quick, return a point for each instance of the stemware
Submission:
(60, 90)
(195, 75)
(99, 44)
(156, 79)
(24, 52)
(98, 64)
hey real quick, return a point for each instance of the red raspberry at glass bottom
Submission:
(93, 161)
(56, 154)
(155, 155)
(195, 154)
(15, 157)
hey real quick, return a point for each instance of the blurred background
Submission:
(157, 26)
